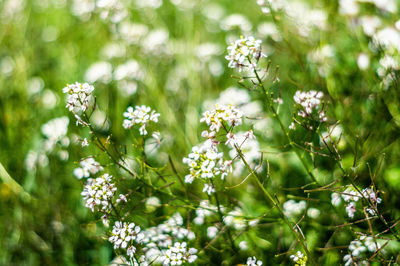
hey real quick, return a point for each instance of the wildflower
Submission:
(85, 142)
(243, 51)
(222, 113)
(178, 254)
(78, 96)
(270, 5)
(212, 232)
(252, 261)
(310, 101)
(99, 192)
(204, 210)
(236, 219)
(141, 115)
(335, 199)
(121, 198)
(243, 245)
(204, 162)
(55, 131)
(351, 209)
(124, 236)
(351, 194)
(356, 247)
(299, 259)
(292, 208)
(209, 189)
(89, 166)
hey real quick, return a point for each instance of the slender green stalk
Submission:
(285, 219)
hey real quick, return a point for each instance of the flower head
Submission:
(78, 96)
(244, 53)
(141, 115)
(99, 192)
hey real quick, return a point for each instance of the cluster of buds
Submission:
(242, 52)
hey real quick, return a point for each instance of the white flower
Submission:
(351, 194)
(85, 142)
(351, 209)
(124, 235)
(356, 247)
(141, 116)
(99, 192)
(100, 71)
(299, 259)
(121, 198)
(209, 189)
(292, 208)
(252, 261)
(222, 113)
(212, 231)
(78, 96)
(244, 53)
(205, 162)
(89, 166)
(310, 101)
(178, 254)
(335, 199)
(55, 131)
(267, 5)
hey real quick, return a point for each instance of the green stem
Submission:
(285, 219)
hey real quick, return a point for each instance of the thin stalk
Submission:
(285, 219)
(283, 128)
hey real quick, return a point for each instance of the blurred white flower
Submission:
(252, 261)
(363, 61)
(99, 71)
(88, 166)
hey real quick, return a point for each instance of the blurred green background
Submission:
(179, 49)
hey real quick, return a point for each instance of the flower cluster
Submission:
(78, 96)
(299, 259)
(222, 113)
(206, 162)
(178, 254)
(88, 166)
(56, 131)
(358, 247)
(99, 192)
(242, 51)
(252, 261)
(124, 235)
(292, 208)
(204, 210)
(141, 115)
(159, 239)
(237, 220)
(268, 5)
(350, 195)
(310, 101)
